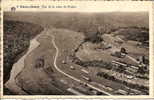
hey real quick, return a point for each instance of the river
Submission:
(18, 67)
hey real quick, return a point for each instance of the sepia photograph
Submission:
(76, 53)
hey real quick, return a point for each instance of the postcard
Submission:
(77, 49)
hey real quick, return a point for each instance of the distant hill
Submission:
(140, 34)
(83, 22)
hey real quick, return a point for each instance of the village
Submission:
(119, 66)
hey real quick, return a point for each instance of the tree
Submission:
(123, 50)
(39, 63)
(94, 37)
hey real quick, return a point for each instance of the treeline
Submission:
(17, 37)
(94, 37)
(135, 33)
(106, 65)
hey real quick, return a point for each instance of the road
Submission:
(78, 80)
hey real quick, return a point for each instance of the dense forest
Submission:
(17, 37)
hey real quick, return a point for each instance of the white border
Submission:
(83, 7)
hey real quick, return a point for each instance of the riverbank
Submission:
(18, 66)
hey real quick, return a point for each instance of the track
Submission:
(133, 59)
(78, 80)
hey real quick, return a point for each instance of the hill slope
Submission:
(17, 36)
